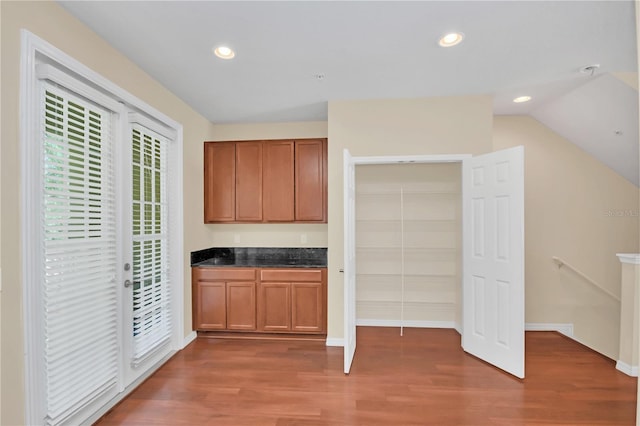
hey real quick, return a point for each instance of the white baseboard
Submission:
(566, 328)
(458, 328)
(398, 323)
(189, 338)
(335, 341)
(627, 369)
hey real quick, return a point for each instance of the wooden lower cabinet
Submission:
(292, 300)
(224, 299)
(274, 310)
(260, 300)
(210, 308)
(241, 306)
(307, 314)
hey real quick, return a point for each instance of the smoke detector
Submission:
(590, 69)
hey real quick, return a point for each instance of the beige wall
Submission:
(581, 211)
(50, 22)
(260, 235)
(629, 78)
(453, 125)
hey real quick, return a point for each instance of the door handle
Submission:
(128, 283)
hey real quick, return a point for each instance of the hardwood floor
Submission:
(423, 378)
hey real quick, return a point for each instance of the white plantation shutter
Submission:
(79, 293)
(151, 286)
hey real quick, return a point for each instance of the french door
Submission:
(78, 325)
(98, 305)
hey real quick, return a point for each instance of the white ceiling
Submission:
(367, 50)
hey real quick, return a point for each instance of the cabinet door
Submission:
(241, 306)
(310, 181)
(307, 314)
(249, 181)
(210, 307)
(278, 183)
(219, 181)
(274, 307)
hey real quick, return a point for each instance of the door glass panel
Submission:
(151, 307)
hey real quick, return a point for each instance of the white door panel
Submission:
(349, 261)
(493, 265)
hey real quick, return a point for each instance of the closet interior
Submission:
(409, 245)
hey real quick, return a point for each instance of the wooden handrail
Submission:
(562, 263)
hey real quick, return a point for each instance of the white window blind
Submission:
(151, 286)
(79, 294)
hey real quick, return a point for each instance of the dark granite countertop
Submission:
(259, 257)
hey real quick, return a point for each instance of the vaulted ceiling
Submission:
(293, 57)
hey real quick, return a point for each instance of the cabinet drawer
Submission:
(226, 274)
(291, 275)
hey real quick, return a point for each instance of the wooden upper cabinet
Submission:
(265, 181)
(248, 181)
(278, 181)
(219, 181)
(310, 181)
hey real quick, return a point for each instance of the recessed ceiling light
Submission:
(521, 99)
(224, 52)
(450, 39)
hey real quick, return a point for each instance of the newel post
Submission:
(629, 315)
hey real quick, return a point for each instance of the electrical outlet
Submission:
(303, 238)
(236, 238)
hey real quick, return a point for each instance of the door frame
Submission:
(381, 160)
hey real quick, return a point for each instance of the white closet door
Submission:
(349, 176)
(493, 283)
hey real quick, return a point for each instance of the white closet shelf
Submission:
(453, 250)
(410, 221)
(395, 192)
(389, 275)
(407, 302)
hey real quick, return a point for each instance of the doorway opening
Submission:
(491, 246)
(409, 245)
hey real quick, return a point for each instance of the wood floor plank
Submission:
(422, 378)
